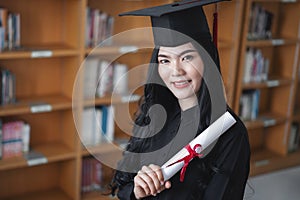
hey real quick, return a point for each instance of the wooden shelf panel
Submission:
(54, 152)
(266, 161)
(267, 84)
(56, 194)
(107, 100)
(47, 51)
(118, 49)
(271, 42)
(23, 106)
(103, 148)
(265, 120)
(96, 196)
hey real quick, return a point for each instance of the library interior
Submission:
(71, 70)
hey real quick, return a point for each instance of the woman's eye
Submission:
(187, 58)
(163, 61)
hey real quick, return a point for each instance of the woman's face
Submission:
(181, 69)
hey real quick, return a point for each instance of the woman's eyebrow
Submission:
(162, 55)
(182, 53)
(187, 51)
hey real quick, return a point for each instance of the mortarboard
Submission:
(179, 22)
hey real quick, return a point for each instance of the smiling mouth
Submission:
(181, 84)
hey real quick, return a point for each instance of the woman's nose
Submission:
(178, 69)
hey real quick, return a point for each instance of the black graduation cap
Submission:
(176, 23)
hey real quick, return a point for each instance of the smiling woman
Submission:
(183, 79)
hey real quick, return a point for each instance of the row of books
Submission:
(260, 25)
(249, 104)
(97, 125)
(8, 87)
(10, 30)
(91, 175)
(14, 138)
(102, 77)
(99, 26)
(294, 137)
(256, 66)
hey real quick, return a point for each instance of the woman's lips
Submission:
(181, 84)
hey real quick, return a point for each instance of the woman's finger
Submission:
(153, 174)
(141, 186)
(147, 179)
(158, 172)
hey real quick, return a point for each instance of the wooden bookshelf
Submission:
(269, 133)
(48, 71)
(45, 67)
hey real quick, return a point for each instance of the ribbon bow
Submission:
(192, 154)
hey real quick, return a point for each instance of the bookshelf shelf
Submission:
(265, 120)
(102, 148)
(119, 49)
(45, 194)
(108, 99)
(53, 152)
(25, 105)
(272, 42)
(96, 196)
(268, 84)
(264, 161)
(47, 51)
(12, 163)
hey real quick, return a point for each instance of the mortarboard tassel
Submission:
(215, 26)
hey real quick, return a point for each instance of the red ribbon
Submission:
(187, 159)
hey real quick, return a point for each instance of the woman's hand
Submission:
(149, 181)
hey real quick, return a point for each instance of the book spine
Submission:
(1, 139)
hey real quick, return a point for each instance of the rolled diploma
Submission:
(207, 137)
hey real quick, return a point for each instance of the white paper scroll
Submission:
(207, 137)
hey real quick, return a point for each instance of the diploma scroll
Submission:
(207, 137)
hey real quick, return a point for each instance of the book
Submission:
(105, 79)
(256, 66)
(92, 176)
(120, 79)
(88, 126)
(26, 137)
(8, 87)
(249, 58)
(99, 26)
(294, 137)
(12, 139)
(3, 28)
(249, 104)
(34, 158)
(91, 71)
(1, 139)
(260, 23)
(106, 122)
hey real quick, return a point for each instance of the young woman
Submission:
(182, 97)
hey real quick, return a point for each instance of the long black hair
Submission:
(155, 92)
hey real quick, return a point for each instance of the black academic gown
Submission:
(220, 175)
